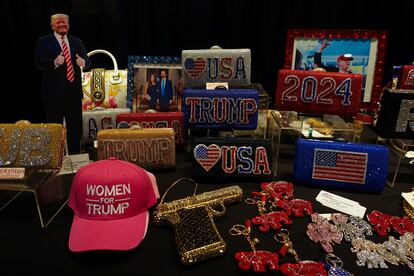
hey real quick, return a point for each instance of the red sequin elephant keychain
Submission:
(300, 268)
(259, 260)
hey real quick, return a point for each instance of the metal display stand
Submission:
(293, 125)
(397, 160)
(48, 188)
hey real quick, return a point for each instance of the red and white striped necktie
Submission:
(70, 75)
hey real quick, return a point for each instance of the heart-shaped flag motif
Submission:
(207, 157)
(194, 67)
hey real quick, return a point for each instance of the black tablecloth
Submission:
(26, 247)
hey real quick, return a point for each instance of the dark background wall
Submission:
(166, 27)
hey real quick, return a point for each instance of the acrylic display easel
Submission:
(398, 148)
(47, 188)
(295, 125)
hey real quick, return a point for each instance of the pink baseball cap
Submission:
(110, 199)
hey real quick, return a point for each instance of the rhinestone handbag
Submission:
(154, 119)
(244, 159)
(104, 88)
(37, 146)
(396, 119)
(361, 167)
(150, 148)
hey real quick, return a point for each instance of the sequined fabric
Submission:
(216, 65)
(396, 118)
(150, 148)
(362, 167)
(32, 145)
(98, 119)
(196, 237)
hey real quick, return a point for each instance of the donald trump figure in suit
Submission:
(60, 57)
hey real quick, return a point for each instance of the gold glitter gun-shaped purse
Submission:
(195, 234)
(36, 146)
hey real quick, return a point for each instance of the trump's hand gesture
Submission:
(80, 61)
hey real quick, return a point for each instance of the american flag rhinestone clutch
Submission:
(343, 165)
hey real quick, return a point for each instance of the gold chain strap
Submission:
(176, 182)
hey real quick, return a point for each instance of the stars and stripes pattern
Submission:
(336, 165)
(207, 157)
(70, 74)
(194, 67)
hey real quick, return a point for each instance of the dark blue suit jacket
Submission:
(54, 79)
(168, 90)
(168, 94)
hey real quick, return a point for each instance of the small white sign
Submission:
(341, 204)
(72, 163)
(213, 85)
(409, 197)
(12, 173)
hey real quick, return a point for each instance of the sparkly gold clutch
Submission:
(409, 211)
(150, 148)
(195, 234)
(32, 145)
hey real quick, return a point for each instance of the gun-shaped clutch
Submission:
(195, 234)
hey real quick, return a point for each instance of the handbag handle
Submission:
(135, 126)
(178, 181)
(116, 76)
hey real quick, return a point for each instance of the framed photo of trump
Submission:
(154, 82)
(344, 51)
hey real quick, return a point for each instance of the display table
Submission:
(26, 248)
(295, 125)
